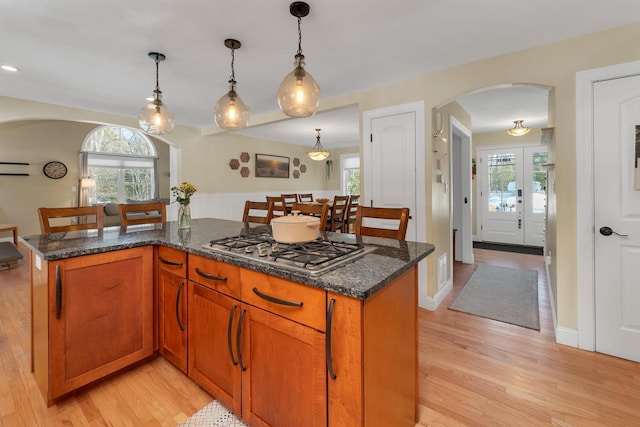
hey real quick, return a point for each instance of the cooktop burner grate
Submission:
(313, 257)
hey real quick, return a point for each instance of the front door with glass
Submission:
(512, 202)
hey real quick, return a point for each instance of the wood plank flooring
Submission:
(473, 372)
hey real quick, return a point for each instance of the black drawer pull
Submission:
(166, 261)
(229, 335)
(332, 374)
(58, 292)
(178, 307)
(239, 340)
(210, 276)
(276, 300)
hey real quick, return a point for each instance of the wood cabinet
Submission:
(99, 318)
(284, 380)
(213, 351)
(172, 306)
(373, 347)
(262, 354)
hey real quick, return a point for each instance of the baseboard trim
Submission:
(432, 303)
(567, 336)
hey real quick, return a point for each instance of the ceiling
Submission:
(93, 55)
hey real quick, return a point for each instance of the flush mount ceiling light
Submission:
(9, 68)
(318, 152)
(230, 112)
(299, 94)
(155, 118)
(518, 129)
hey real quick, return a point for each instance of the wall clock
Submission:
(55, 169)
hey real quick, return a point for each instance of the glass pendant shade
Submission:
(155, 118)
(518, 129)
(318, 152)
(230, 112)
(299, 94)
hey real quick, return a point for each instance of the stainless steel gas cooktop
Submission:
(315, 257)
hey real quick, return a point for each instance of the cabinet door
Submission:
(172, 315)
(100, 316)
(284, 381)
(213, 357)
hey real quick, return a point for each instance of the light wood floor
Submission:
(473, 372)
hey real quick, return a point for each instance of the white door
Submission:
(535, 195)
(617, 216)
(513, 195)
(392, 170)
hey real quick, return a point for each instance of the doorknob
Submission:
(607, 231)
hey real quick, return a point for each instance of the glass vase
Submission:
(184, 217)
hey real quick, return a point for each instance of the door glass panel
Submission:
(502, 182)
(539, 183)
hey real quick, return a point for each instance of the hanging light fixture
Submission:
(230, 112)
(155, 118)
(299, 94)
(518, 129)
(318, 152)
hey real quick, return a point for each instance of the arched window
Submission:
(123, 163)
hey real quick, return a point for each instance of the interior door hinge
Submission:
(370, 137)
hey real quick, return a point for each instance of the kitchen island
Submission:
(276, 345)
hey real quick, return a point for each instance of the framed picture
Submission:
(268, 166)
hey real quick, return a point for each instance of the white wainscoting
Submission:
(229, 205)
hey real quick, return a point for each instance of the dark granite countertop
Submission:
(360, 278)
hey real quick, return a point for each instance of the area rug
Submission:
(505, 294)
(214, 414)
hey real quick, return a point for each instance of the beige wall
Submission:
(553, 65)
(204, 161)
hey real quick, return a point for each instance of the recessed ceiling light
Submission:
(9, 68)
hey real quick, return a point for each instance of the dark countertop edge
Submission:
(284, 273)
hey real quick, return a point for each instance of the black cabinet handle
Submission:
(239, 340)
(210, 276)
(178, 306)
(332, 374)
(58, 292)
(229, 339)
(166, 261)
(276, 300)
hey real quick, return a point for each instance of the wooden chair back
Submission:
(350, 215)
(86, 218)
(338, 212)
(142, 213)
(321, 211)
(399, 214)
(289, 200)
(279, 205)
(305, 197)
(258, 212)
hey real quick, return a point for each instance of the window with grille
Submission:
(123, 163)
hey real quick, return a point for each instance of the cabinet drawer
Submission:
(214, 274)
(172, 260)
(298, 302)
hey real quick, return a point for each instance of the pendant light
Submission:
(318, 152)
(518, 129)
(230, 112)
(299, 94)
(155, 118)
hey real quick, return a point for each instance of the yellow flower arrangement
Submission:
(183, 193)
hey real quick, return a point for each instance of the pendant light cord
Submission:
(157, 91)
(299, 36)
(233, 72)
